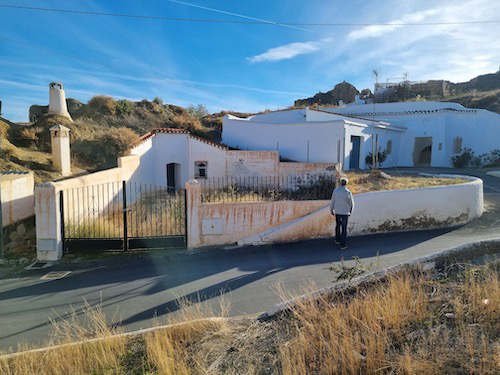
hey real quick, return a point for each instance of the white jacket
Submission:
(342, 202)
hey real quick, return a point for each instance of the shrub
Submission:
(158, 101)
(492, 159)
(103, 150)
(28, 136)
(103, 104)
(123, 107)
(382, 155)
(197, 112)
(463, 159)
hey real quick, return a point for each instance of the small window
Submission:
(440, 146)
(457, 145)
(200, 169)
(388, 147)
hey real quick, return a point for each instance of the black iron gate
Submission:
(122, 216)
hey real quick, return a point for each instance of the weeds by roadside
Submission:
(413, 322)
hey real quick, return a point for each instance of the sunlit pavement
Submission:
(135, 289)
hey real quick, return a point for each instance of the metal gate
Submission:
(122, 216)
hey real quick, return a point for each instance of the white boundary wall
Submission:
(385, 211)
(16, 197)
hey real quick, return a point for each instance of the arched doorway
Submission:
(422, 152)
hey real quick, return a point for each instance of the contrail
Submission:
(236, 15)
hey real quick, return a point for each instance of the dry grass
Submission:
(411, 323)
(363, 182)
(100, 356)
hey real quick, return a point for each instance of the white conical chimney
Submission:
(57, 100)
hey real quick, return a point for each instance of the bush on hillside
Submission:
(158, 101)
(197, 112)
(28, 136)
(123, 107)
(103, 151)
(103, 104)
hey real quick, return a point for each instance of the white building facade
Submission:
(171, 157)
(409, 133)
(308, 135)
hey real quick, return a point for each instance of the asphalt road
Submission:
(138, 288)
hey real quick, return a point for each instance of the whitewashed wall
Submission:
(479, 128)
(291, 140)
(16, 192)
(387, 211)
(366, 134)
(213, 155)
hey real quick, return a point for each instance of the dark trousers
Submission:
(341, 228)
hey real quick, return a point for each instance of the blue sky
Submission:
(238, 67)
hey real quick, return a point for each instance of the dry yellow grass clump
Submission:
(411, 323)
(363, 182)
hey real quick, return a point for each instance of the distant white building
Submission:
(311, 135)
(171, 157)
(411, 133)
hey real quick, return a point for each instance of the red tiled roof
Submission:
(178, 131)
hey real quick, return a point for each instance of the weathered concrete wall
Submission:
(47, 205)
(387, 211)
(226, 223)
(252, 163)
(300, 169)
(17, 196)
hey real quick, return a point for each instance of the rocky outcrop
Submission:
(343, 91)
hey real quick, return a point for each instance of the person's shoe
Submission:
(343, 247)
(337, 242)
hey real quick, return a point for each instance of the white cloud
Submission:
(286, 51)
(373, 31)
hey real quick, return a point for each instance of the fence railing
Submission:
(267, 188)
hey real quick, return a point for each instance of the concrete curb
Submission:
(494, 173)
(428, 262)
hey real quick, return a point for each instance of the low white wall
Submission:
(388, 211)
(16, 197)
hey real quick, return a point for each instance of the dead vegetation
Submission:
(411, 323)
(363, 182)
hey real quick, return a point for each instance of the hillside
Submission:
(482, 92)
(102, 130)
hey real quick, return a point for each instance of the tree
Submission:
(198, 112)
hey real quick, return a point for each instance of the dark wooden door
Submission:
(355, 151)
(171, 183)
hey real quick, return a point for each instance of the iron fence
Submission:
(122, 215)
(267, 188)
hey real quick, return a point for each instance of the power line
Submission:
(236, 15)
(250, 21)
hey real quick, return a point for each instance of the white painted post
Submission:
(61, 157)
(48, 223)
(193, 201)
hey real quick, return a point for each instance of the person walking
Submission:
(341, 207)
